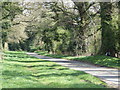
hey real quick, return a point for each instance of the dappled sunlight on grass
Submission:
(30, 72)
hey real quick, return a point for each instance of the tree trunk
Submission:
(118, 30)
(108, 37)
(5, 46)
(1, 46)
(80, 33)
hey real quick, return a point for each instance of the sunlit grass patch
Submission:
(30, 72)
(100, 60)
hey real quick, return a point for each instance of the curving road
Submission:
(109, 75)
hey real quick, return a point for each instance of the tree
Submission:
(108, 34)
(118, 33)
(82, 27)
(72, 28)
(9, 11)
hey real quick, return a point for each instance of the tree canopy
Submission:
(71, 28)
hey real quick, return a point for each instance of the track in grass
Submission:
(23, 71)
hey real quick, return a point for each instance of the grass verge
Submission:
(23, 71)
(97, 60)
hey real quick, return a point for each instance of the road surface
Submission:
(109, 75)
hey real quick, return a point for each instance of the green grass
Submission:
(23, 71)
(98, 59)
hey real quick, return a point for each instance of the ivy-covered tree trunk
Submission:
(119, 16)
(1, 47)
(108, 37)
(118, 30)
(81, 30)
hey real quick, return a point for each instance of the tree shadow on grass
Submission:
(13, 73)
(33, 61)
(49, 73)
(57, 56)
(40, 65)
(14, 52)
(59, 74)
(27, 61)
(20, 56)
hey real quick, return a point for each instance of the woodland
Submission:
(68, 28)
(83, 39)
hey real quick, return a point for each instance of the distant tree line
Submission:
(73, 28)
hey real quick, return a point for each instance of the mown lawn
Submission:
(23, 71)
(98, 59)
